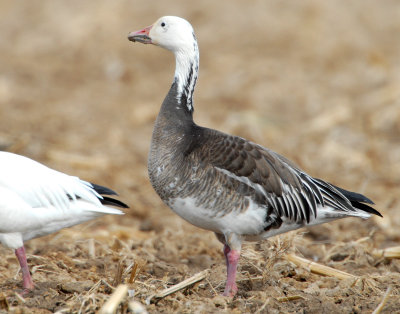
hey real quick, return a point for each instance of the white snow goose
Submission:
(36, 200)
(224, 183)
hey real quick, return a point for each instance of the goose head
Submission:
(177, 35)
(170, 32)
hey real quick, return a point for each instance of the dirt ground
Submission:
(317, 81)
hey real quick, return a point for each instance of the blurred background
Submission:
(316, 81)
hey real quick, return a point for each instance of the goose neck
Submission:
(186, 72)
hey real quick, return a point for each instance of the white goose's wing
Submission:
(40, 186)
(36, 200)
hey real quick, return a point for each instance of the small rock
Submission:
(72, 287)
(220, 301)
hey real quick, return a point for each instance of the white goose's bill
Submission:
(141, 36)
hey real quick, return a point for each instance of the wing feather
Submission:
(286, 189)
(40, 186)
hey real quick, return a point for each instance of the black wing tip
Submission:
(358, 201)
(102, 189)
(376, 212)
(366, 208)
(366, 199)
(353, 196)
(105, 200)
(112, 201)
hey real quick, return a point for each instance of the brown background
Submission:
(317, 81)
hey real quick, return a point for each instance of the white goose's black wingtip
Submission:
(106, 200)
(113, 202)
(102, 189)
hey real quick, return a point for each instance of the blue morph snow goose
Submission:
(224, 183)
(36, 200)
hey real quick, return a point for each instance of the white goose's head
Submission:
(177, 35)
(170, 32)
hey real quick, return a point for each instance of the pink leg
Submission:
(26, 275)
(232, 259)
(227, 249)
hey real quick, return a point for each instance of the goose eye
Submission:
(162, 24)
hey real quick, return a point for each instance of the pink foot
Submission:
(27, 281)
(25, 292)
(230, 290)
(232, 259)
